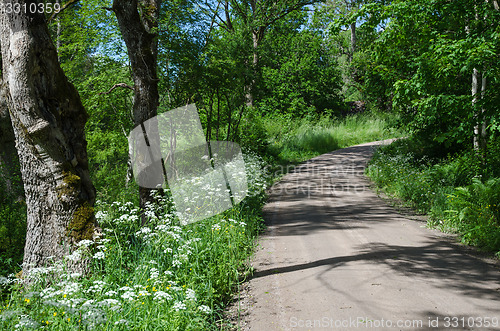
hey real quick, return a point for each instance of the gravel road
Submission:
(336, 257)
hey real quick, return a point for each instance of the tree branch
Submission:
(117, 85)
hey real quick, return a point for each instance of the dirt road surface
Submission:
(336, 257)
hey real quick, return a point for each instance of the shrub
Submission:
(475, 213)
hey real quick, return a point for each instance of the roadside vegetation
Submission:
(159, 275)
(459, 192)
(296, 140)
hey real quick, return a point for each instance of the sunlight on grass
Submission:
(293, 141)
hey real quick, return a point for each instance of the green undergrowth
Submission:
(460, 193)
(157, 276)
(12, 236)
(292, 140)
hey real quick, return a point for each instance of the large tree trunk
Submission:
(138, 31)
(48, 121)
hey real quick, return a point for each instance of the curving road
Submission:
(336, 257)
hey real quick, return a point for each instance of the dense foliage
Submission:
(279, 84)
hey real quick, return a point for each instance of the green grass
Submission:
(296, 140)
(458, 193)
(160, 276)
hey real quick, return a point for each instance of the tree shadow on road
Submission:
(437, 259)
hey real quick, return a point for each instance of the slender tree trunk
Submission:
(58, 33)
(483, 136)
(48, 121)
(257, 36)
(353, 41)
(218, 116)
(474, 89)
(480, 137)
(138, 31)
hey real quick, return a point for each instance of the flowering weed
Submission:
(157, 276)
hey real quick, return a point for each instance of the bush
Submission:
(475, 213)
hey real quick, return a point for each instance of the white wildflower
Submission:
(84, 243)
(75, 256)
(26, 322)
(161, 296)
(129, 295)
(205, 309)
(100, 215)
(124, 288)
(179, 306)
(108, 302)
(190, 294)
(110, 293)
(144, 293)
(154, 273)
(88, 303)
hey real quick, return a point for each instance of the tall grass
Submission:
(157, 276)
(296, 140)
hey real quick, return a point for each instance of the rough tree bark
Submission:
(48, 121)
(138, 21)
(257, 37)
(353, 40)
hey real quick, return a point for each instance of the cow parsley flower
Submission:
(179, 306)
(84, 243)
(161, 296)
(129, 295)
(154, 273)
(205, 309)
(190, 294)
